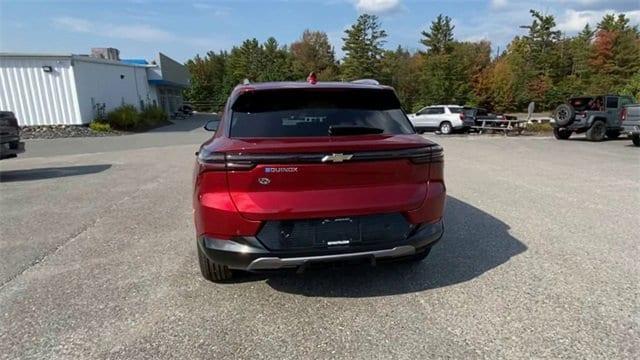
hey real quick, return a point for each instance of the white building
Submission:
(67, 89)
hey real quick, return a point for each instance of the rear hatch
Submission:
(326, 153)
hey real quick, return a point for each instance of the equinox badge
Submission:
(337, 157)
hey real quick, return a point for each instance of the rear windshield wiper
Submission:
(339, 130)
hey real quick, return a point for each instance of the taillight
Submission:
(461, 116)
(624, 114)
(215, 161)
(211, 161)
(427, 155)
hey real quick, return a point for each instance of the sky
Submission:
(182, 29)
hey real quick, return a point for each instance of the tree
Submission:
(400, 69)
(363, 48)
(313, 52)
(276, 62)
(208, 87)
(439, 38)
(450, 68)
(616, 54)
(246, 62)
(542, 41)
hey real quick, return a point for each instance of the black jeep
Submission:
(597, 116)
(10, 144)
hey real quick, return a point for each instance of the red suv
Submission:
(298, 173)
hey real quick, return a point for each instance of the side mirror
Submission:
(212, 125)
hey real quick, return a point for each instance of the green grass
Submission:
(539, 128)
(99, 126)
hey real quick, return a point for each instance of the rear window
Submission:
(301, 113)
(455, 110)
(584, 103)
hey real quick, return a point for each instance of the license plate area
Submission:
(326, 234)
(337, 232)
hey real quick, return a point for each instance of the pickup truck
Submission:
(10, 144)
(631, 122)
(596, 116)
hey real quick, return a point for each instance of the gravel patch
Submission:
(64, 131)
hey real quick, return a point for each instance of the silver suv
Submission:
(445, 118)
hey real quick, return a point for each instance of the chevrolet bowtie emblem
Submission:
(337, 157)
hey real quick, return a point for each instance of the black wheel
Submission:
(561, 134)
(564, 114)
(446, 128)
(597, 131)
(613, 134)
(212, 271)
(636, 139)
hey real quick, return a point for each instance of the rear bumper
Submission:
(247, 253)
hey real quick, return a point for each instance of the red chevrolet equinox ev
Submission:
(305, 172)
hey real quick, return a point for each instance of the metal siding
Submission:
(37, 97)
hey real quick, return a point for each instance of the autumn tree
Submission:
(313, 52)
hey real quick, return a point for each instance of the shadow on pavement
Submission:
(474, 242)
(190, 123)
(583, 138)
(50, 173)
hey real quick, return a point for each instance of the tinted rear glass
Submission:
(455, 110)
(583, 103)
(302, 112)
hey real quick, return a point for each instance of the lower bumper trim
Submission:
(272, 263)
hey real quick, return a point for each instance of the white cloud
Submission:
(142, 32)
(377, 6)
(203, 6)
(574, 21)
(73, 24)
(499, 4)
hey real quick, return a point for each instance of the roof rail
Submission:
(366, 81)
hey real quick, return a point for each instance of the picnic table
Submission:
(497, 124)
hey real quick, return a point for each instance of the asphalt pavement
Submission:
(539, 260)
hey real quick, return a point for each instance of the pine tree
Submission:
(439, 38)
(363, 48)
(276, 62)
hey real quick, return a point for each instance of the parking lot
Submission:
(539, 259)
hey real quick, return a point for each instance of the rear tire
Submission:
(446, 128)
(212, 271)
(561, 134)
(613, 134)
(597, 131)
(636, 139)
